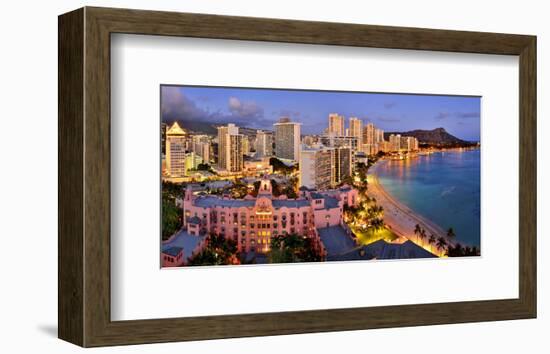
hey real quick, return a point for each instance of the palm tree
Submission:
(377, 224)
(432, 241)
(441, 243)
(422, 235)
(417, 230)
(451, 233)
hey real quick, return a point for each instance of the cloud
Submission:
(175, 105)
(388, 119)
(441, 116)
(460, 115)
(466, 115)
(248, 110)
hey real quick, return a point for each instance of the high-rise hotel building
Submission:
(336, 124)
(342, 163)
(356, 130)
(395, 142)
(175, 151)
(316, 168)
(201, 146)
(230, 148)
(264, 144)
(324, 167)
(287, 139)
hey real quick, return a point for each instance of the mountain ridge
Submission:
(435, 136)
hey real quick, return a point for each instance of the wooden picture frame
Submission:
(84, 176)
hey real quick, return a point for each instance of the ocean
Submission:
(443, 187)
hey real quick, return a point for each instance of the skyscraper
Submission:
(230, 148)
(408, 143)
(378, 136)
(246, 145)
(336, 124)
(368, 134)
(369, 139)
(201, 146)
(287, 139)
(264, 144)
(395, 142)
(342, 164)
(175, 151)
(316, 167)
(356, 130)
(324, 167)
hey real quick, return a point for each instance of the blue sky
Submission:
(260, 108)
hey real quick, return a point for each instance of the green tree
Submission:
(291, 249)
(218, 251)
(171, 220)
(377, 224)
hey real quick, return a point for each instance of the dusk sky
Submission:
(260, 108)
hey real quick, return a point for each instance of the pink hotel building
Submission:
(252, 221)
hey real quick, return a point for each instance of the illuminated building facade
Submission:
(175, 151)
(252, 221)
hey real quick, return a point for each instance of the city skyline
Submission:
(261, 108)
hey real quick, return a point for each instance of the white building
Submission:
(336, 124)
(324, 167)
(201, 146)
(264, 144)
(230, 148)
(395, 142)
(316, 167)
(175, 151)
(287, 139)
(356, 130)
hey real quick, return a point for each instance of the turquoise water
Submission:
(443, 187)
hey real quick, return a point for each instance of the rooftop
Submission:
(331, 202)
(185, 241)
(172, 251)
(213, 201)
(290, 203)
(336, 241)
(383, 250)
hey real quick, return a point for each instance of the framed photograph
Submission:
(230, 176)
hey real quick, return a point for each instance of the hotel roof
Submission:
(383, 250)
(172, 251)
(290, 203)
(336, 241)
(213, 201)
(175, 129)
(185, 241)
(331, 202)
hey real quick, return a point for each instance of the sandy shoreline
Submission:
(400, 218)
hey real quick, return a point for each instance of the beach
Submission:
(400, 218)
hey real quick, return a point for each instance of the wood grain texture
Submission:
(528, 176)
(86, 173)
(70, 176)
